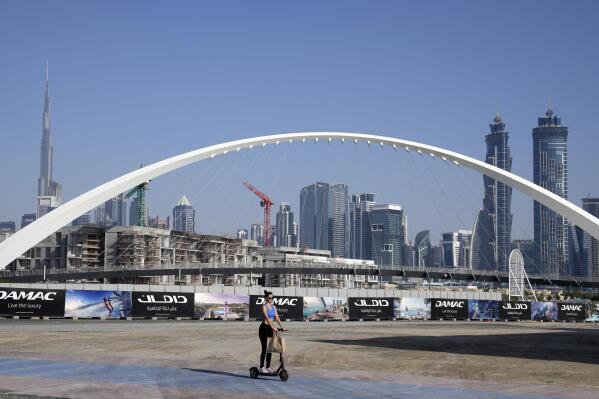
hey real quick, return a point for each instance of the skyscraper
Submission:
(388, 224)
(456, 248)
(359, 216)
(324, 218)
(49, 192)
(115, 211)
(257, 233)
(491, 240)
(285, 236)
(550, 171)
(585, 263)
(27, 218)
(184, 216)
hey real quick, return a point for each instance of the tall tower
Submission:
(184, 216)
(49, 192)
(493, 229)
(360, 206)
(324, 218)
(550, 171)
(284, 228)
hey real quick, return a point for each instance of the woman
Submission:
(267, 327)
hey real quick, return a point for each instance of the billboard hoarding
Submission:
(449, 308)
(288, 307)
(480, 309)
(162, 304)
(221, 306)
(325, 308)
(89, 304)
(544, 311)
(571, 311)
(31, 302)
(411, 309)
(515, 310)
(370, 308)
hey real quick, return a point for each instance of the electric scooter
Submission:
(281, 371)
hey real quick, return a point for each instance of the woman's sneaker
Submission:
(264, 370)
(271, 371)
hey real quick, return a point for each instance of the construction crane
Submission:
(266, 203)
(140, 192)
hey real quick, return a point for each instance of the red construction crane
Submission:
(266, 203)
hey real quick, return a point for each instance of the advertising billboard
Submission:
(479, 309)
(162, 304)
(515, 310)
(88, 304)
(411, 309)
(288, 307)
(221, 306)
(370, 308)
(449, 308)
(544, 311)
(325, 308)
(571, 311)
(31, 302)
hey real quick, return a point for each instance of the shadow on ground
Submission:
(579, 346)
(217, 372)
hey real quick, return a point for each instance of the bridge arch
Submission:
(32, 234)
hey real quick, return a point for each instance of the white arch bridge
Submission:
(29, 236)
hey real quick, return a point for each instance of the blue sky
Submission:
(136, 82)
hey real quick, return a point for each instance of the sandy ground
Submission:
(559, 354)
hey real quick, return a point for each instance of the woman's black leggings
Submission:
(264, 333)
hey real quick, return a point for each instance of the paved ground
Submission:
(191, 359)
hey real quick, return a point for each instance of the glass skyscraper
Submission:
(324, 218)
(493, 227)
(284, 229)
(360, 242)
(584, 252)
(184, 216)
(550, 171)
(388, 225)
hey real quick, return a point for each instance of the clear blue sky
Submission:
(135, 82)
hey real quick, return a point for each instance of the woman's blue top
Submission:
(270, 312)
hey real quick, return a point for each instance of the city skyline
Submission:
(121, 102)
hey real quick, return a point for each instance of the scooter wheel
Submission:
(254, 372)
(283, 375)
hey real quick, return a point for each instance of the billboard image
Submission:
(221, 306)
(87, 304)
(411, 309)
(571, 311)
(31, 302)
(162, 304)
(449, 308)
(483, 309)
(325, 308)
(544, 311)
(370, 308)
(515, 310)
(288, 307)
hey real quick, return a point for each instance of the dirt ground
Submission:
(564, 354)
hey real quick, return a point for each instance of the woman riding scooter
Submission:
(267, 328)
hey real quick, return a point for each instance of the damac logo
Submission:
(27, 295)
(163, 299)
(449, 304)
(577, 308)
(372, 302)
(515, 306)
(279, 301)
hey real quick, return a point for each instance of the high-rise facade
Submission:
(324, 218)
(456, 247)
(491, 239)
(27, 218)
(257, 233)
(388, 225)
(359, 216)
(585, 260)
(49, 192)
(285, 235)
(115, 211)
(184, 216)
(550, 171)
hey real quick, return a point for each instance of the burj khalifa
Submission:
(49, 192)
